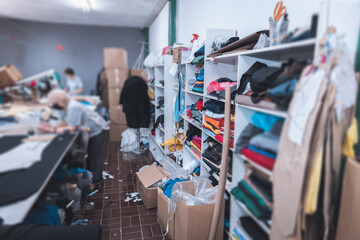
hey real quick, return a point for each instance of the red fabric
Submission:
(199, 104)
(189, 114)
(197, 143)
(218, 87)
(220, 138)
(260, 159)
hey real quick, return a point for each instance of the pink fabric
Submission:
(196, 138)
(218, 87)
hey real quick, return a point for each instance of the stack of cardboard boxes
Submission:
(116, 70)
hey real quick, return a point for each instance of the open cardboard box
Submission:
(193, 222)
(145, 179)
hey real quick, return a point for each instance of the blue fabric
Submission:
(197, 171)
(169, 185)
(200, 77)
(285, 89)
(200, 90)
(74, 171)
(176, 110)
(209, 132)
(45, 215)
(264, 121)
(262, 152)
(200, 52)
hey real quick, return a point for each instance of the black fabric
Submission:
(18, 185)
(221, 94)
(43, 232)
(246, 77)
(263, 77)
(264, 186)
(136, 103)
(214, 106)
(95, 152)
(159, 120)
(9, 142)
(253, 229)
(200, 52)
(192, 132)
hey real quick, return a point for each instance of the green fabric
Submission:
(259, 212)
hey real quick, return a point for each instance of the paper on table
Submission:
(22, 156)
(303, 105)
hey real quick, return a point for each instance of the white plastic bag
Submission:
(129, 140)
(263, 42)
(172, 169)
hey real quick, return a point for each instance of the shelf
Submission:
(192, 121)
(161, 129)
(151, 85)
(230, 148)
(260, 223)
(152, 138)
(276, 113)
(299, 49)
(257, 166)
(159, 86)
(215, 98)
(194, 93)
(161, 148)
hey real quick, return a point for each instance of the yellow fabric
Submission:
(216, 131)
(151, 94)
(314, 184)
(194, 146)
(232, 118)
(170, 142)
(172, 148)
(351, 139)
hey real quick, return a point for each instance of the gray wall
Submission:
(32, 47)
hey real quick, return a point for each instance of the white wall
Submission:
(159, 29)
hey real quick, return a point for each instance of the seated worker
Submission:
(78, 116)
(74, 85)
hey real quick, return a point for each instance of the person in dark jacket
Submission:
(135, 101)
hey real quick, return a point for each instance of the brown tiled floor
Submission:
(123, 220)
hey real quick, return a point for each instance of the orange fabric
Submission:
(216, 123)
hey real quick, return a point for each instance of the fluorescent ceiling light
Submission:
(86, 6)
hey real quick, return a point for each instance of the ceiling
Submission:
(122, 13)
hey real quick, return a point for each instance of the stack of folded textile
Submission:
(195, 111)
(193, 140)
(197, 84)
(212, 155)
(269, 87)
(214, 120)
(159, 122)
(217, 88)
(259, 140)
(255, 192)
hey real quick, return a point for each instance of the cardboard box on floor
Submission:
(163, 213)
(117, 116)
(193, 222)
(115, 132)
(139, 72)
(349, 216)
(9, 75)
(114, 96)
(116, 77)
(115, 58)
(144, 180)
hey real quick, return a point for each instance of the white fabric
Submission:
(213, 115)
(303, 105)
(22, 156)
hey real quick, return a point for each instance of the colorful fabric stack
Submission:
(193, 140)
(212, 155)
(214, 121)
(259, 140)
(255, 194)
(217, 88)
(197, 84)
(195, 111)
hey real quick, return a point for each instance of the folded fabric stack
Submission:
(214, 120)
(254, 197)
(195, 111)
(269, 87)
(193, 140)
(159, 122)
(197, 84)
(250, 228)
(259, 140)
(160, 102)
(212, 155)
(217, 88)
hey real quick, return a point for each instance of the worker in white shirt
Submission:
(74, 85)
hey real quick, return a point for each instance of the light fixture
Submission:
(86, 6)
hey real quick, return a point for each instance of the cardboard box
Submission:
(163, 213)
(114, 96)
(117, 116)
(116, 77)
(193, 222)
(349, 214)
(146, 178)
(9, 75)
(115, 132)
(181, 54)
(115, 58)
(139, 72)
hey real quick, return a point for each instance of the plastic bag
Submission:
(129, 140)
(203, 193)
(263, 42)
(173, 70)
(172, 169)
(191, 167)
(217, 43)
